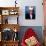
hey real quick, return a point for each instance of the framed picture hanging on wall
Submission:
(30, 12)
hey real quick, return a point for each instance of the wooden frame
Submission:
(6, 24)
(9, 11)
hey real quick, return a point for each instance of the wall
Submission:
(22, 3)
(39, 13)
(7, 3)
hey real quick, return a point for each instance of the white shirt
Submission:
(30, 16)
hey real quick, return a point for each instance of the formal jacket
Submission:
(27, 14)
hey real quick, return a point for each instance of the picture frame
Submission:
(10, 19)
(5, 19)
(30, 12)
(9, 34)
(13, 20)
(5, 12)
(6, 34)
(13, 12)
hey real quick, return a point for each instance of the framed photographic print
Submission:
(6, 34)
(10, 19)
(5, 19)
(13, 20)
(13, 12)
(30, 12)
(5, 12)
